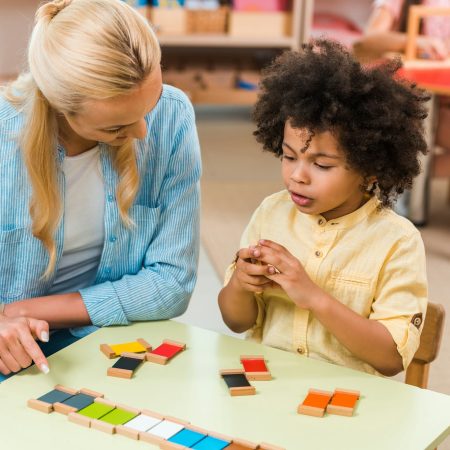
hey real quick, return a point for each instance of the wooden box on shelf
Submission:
(260, 24)
(207, 20)
(168, 21)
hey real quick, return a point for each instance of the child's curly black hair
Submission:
(376, 119)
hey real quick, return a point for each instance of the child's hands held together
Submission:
(281, 267)
(249, 275)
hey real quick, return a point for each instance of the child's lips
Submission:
(300, 200)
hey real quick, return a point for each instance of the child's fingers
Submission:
(257, 289)
(273, 245)
(250, 268)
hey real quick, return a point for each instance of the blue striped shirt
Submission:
(146, 272)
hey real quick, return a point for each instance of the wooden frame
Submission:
(416, 12)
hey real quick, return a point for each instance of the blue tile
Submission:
(55, 396)
(186, 437)
(211, 443)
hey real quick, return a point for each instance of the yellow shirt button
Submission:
(320, 221)
(318, 253)
(301, 350)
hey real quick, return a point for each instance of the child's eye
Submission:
(287, 157)
(320, 166)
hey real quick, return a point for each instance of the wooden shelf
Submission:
(223, 40)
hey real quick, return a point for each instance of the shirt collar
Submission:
(348, 220)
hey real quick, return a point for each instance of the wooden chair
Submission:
(430, 341)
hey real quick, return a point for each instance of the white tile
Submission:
(142, 422)
(166, 429)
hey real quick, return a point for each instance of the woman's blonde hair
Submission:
(79, 50)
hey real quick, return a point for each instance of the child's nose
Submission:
(300, 174)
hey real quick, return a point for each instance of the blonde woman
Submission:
(99, 170)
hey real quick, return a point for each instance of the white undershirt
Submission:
(84, 205)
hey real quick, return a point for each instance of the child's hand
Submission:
(249, 275)
(285, 269)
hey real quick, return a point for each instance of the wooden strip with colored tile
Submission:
(315, 403)
(165, 352)
(256, 368)
(343, 402)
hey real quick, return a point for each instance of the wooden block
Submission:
(241, 444)
(145, 344)
(165, 352)
(176, 420)
(315, 403)
(343, 402)
(150, 438)
(150, 413)
(103, 426)
(40, 406)
(127, 432)
(108, 351)
(63, 408)
(256, 368)
(128, 408)
(237, 382)
(92, 393)
(79, 419)
(265, 446)
(223, 437)
(167, 445)
(69, 390)
(119, 373)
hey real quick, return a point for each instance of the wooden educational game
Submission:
(341, 402)
(237, 380)
(92, 410)
(133, 354)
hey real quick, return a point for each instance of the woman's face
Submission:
(119, 119)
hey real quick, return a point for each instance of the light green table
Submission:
(390, 415)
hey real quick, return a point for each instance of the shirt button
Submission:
(112, 239)
(107, 270)
(318, 253)
(320, 221)
(110, 198)
(301, 350)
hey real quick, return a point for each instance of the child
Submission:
(326, 268)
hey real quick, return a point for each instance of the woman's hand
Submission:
(250, 275)
(283, 268)
(18, 348)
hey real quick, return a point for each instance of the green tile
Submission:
(96, 410)
(118, 416)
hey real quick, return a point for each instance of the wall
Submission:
(16, 22)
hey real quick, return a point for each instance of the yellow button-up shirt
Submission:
(371, 260)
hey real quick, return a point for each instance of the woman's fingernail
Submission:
(45, 369)
(44, 336)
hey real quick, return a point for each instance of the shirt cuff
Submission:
(103, 305)
(406, 336)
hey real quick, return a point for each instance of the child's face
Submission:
(318, 179)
